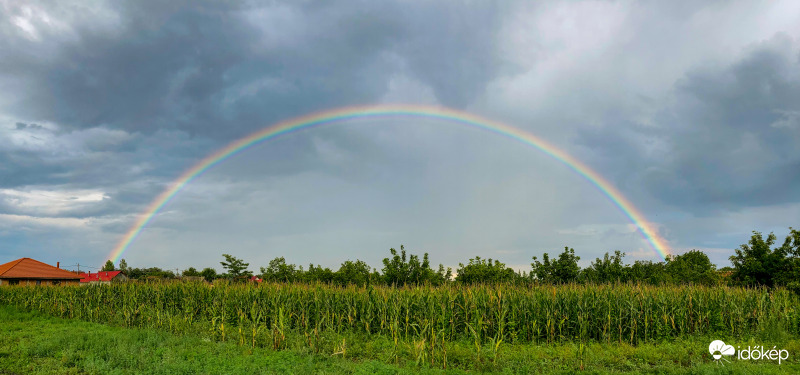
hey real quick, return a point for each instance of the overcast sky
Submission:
(691, 109)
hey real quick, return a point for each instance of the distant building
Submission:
(103, 277)
(27, 271)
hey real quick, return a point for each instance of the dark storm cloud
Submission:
(179, 80)
(22, 125)
(225, 70)
(453, 50)
(25, 168)
(118, 99)
(729, 141)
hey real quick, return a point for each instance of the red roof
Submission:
(27, 268)
(99, 276)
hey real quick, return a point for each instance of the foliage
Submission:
(484, 271)
(756, 263)
(109, 266)
(278, 270)
(152, 272)
(123, 266)
(399, 270)
(692, 267)
(562, 270)
(645, 271)
(609, 269)
(236, 267)
(191, 271)
(209, 274)
(318, 274)
(357, 273)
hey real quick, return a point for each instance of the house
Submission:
(27, 271)
(103, 277)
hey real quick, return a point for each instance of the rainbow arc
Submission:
(388, 111)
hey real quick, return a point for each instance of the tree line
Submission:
(756, 263)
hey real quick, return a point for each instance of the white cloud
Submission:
(23, 222)
(50, 202)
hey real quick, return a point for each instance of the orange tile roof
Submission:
(27, 268)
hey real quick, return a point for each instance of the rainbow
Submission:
(383, 111)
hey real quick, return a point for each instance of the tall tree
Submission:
(564, 269)
(278, 270)
(109, 266)
(609, 269)
(191, 271)
(235, 266)
(756, 263)
(318, 274)
(209, 274)
(692, 267)
(123, 266)
(358, 273)
(400, 270)
(484, 271)
(791, 275)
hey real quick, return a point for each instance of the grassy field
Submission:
(185, 328)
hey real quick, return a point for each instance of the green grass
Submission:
(32, 343)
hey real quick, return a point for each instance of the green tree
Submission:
(566, 268)
(692, 267)
(542, 271)
(484, 271)
(278, 270)
(358, 273)
(191, 271)
(756, 263)
(109, 266)
(143, 273)
(562, 270)
(318, 274)
(400, 270)
(123, 266)
(209, 274)
(442, 276)
(790, 277)
(609, 269)
(236, 267)
(647, 271)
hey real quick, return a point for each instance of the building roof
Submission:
(27, 268)
(99, 276)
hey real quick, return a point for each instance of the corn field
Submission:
(486, 315)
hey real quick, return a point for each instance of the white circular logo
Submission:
(718, 348)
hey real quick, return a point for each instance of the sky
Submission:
(690, 109)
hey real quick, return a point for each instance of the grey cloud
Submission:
(210, 69)
(22, 125)
(452, 49)
(718, 147)
(130, 96)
